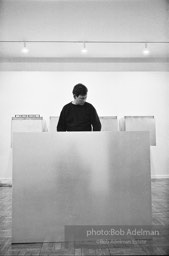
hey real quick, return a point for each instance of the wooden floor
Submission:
(156, 246)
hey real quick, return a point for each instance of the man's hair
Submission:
(79, 89)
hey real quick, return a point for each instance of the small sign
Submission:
(28, 116)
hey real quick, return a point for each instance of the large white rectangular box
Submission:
(78, 178)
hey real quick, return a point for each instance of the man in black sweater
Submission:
(79, 115)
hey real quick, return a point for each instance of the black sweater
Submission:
(78, 118)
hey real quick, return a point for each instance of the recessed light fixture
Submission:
(84, 49)
(146, 51)
(25, 50)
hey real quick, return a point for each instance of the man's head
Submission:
(80, 94)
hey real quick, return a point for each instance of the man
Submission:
(79, 115)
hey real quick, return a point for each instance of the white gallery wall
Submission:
(112, 93)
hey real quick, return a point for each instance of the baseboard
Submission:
(5, 182)
(160, 176)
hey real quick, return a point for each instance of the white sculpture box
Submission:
(109, 123)
(78, 178)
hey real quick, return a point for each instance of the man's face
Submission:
(80, 100)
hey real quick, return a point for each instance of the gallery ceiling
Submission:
(110, 30)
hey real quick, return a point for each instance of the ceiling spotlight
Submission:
(84, 50)
(146, 51)
(25, 49)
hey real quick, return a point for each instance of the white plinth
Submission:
(78, 178)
